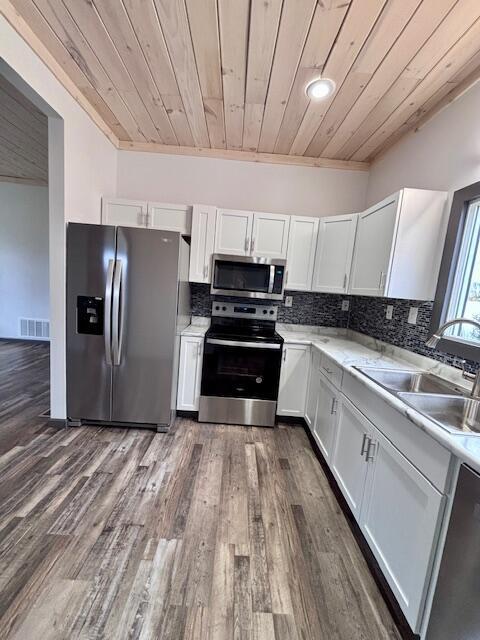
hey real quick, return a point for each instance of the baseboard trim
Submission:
(382, 584)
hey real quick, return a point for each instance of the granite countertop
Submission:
(349, 350)
(198, 327)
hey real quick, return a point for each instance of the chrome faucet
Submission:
(434, 339)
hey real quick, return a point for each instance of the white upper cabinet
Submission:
(152, 215)
(203, 243)
(398, 246)
(233, 232)
(245, 233)
(400, 517)
(170, 217)
(270, 235)
(124, 213)
(333, 260)
(302, 243)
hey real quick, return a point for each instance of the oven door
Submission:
(241, 369)
(248, 277)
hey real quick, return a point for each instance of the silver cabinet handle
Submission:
(204, 270)
(380, 282)
(252, 246)
(329, 371)
(147, 219)
(345, 282)
(364, 442)
(246, 245)
(334, 406)
(371, 445)
(117, 314)
(284, 355)
(108, 312)
(199, 349)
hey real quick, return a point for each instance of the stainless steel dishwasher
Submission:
(456, 604)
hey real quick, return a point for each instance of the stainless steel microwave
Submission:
(248, 277)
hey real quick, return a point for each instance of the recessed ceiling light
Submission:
(320, 89)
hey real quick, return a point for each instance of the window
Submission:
(458, 291)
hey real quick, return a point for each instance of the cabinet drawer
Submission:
(425, 453)
(331, 370)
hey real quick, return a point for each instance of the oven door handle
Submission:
(240, 343)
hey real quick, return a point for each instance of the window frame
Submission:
(449, 263)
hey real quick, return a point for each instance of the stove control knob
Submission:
(224, 308)
(264, 311)
(217, 308)
(271, 312)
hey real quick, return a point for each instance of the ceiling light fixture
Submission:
(320, 89)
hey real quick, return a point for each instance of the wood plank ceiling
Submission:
(231, 74)
(23, 138)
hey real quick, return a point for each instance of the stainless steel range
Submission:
(241, 365)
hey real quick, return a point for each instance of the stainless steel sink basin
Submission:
(410, 381)
(454, 413)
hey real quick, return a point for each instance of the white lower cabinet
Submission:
(325, 424)
(397, 508)
(189, 373)
(293, 380)
(348, 459)
(400, 519)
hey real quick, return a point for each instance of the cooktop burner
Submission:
(243, 321)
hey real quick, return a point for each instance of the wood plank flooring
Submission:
(208, 533)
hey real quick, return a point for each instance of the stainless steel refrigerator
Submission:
(127, 302)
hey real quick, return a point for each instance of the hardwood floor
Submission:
(210, 532)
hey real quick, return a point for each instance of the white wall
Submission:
(444, 154)
(240, 185)
(77, 180)
(23, 255)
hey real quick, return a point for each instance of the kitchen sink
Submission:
(454, 413)
(398, 381)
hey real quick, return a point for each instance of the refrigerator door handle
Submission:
(117, 314)
(108, 312)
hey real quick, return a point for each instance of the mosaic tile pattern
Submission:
(308, 308)
(366, 315)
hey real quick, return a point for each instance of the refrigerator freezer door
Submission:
(90, 260)
(143, 332)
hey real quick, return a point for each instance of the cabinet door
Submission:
(325, 416)
(302, 242)
(203, 242)
(124, 213)
(170, 217)
(372, 255)
(294, 374)
(311, 399)
(348, 463)
(333, 260)
(233, 232)
(190, 373)
(270, 235)
(400, 518)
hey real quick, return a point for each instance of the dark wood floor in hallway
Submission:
(208, 533)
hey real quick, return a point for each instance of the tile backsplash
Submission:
(366, 315)
(308, 308)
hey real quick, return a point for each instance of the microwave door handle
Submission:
(108, 312)
(272, 278)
